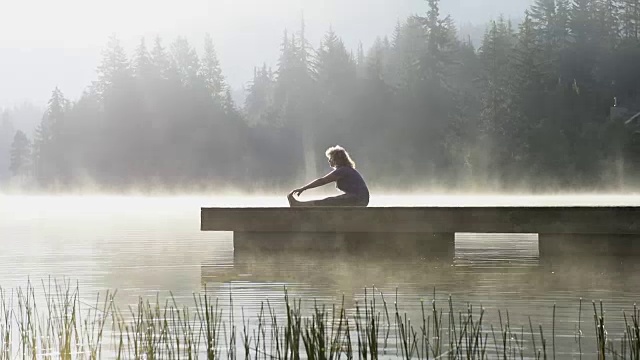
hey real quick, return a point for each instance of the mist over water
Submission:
(149, 246)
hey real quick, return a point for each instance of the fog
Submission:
(427, 95)
(45, 44)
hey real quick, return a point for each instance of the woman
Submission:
(347, 179)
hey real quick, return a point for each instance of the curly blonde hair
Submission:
(340, 156)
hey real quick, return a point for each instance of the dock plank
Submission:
(623, 220)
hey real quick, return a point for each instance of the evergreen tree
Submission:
(160, 60)
(429, 100)
(544, 19)
(550, 22)
(378, 60)
(295, 100)
(123, 117)
(20, 155)
(114, 70)
(608, 18)
(7, 130)
(441, 41)
(50, 141)
(142, 67)
(260, 92)
(335, 68)
(408, 48)
(186, 62)
(210, 70)
(85, 139)
(581, 21)
(631, 19)
(361, 62)
(562, 22)
(528, 92)
(335, 74)
(498, 113)
(528, 67)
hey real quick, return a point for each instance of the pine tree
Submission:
(335, 69)
(361, 63)
(294, 81)
(626, 56)
(114, 69)
(160, 60)
(495, 53)
(259, 101)
(528, 89)
(142, 66)
(553, 22)
(528, 70)
(302, 48)
(583, 56)
(563, 21)
(428, 97)
(631, 19)
(441, 41)
(499, 125)
(20, 155)
(610, 24)
(595, 28)
(50, 141)
(408, 48)
(186, 62)
(544, 17)
(285, 75)
(295, 99)
(581, 21)
(335, 74)
(210, 70)
(378, 60)
(84, 136)
(7, 131)
(228, 104)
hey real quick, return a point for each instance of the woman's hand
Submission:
(298, 191)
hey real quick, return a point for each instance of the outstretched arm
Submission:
(329, 178)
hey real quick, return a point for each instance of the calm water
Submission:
(145, 246)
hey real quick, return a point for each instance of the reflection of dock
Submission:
(427, 230)
(326, 276)
(318, 268)
(335, 274)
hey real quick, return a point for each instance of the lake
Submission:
(151, 247)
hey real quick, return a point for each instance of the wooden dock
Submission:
(562, 230)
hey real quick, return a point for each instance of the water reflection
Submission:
(490, 270)
(150, 246)
(509, 280)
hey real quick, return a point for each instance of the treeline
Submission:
(542, 105)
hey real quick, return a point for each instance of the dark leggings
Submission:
(344, 200)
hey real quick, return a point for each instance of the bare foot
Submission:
(292, 201)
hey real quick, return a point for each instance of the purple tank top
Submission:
(350, 181)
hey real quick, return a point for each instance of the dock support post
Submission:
(553, 245)
(440, 245)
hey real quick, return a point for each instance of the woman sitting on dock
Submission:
(347, 179)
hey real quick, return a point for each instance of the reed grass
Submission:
(64, 326)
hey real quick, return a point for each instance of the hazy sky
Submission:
(45, 43)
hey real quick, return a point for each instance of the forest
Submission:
(547, 104)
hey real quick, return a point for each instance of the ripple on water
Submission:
(149, 246)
